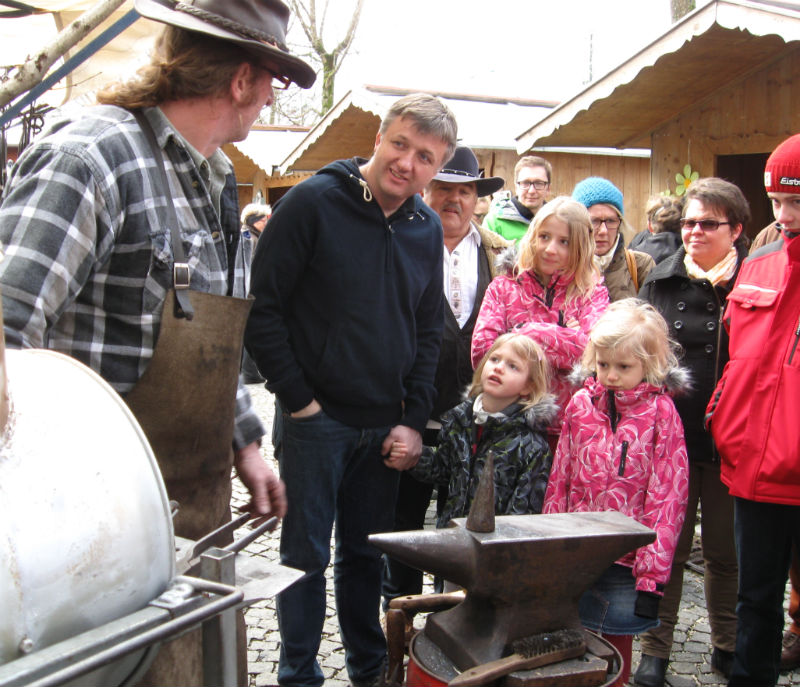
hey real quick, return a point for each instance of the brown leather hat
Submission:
(257, 25)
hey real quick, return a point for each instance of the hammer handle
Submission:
(487, 672)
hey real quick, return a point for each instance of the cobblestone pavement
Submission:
(690, 661)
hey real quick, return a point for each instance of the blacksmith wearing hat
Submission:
(469, 259)
(95, 268)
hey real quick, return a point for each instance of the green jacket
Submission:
(505, 219)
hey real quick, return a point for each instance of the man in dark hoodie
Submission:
(346, 327)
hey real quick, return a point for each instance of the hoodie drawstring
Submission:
(365, 188)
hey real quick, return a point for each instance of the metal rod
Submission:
(239, 544)
(219, 633)
(229, 597)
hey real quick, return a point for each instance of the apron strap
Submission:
(180, 270)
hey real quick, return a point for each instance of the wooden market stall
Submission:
(716, 93)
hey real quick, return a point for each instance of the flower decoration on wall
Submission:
(683, 180)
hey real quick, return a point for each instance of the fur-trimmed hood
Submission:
(677, 382)
(542, 414)
(539, 416)
(506, 260)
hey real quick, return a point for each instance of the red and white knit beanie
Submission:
(782, 173)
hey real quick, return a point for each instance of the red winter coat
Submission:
(522, 305)
(754, 412)
(636, 465)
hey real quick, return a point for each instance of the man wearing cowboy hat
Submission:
(123, 249)
(469, 265)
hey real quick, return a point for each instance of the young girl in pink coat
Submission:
(621, 448)
(552, 292)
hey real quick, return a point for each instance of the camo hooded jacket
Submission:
(522, 458)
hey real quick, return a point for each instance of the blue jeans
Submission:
(607, 606)
(764, 536)
(333, 473)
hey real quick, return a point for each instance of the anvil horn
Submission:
(481, 514)
(449, 551)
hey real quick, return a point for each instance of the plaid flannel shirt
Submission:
(88, 260)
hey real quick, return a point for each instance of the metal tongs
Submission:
(188, 559)
(257, 577)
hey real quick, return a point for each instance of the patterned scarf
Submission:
(720, 273)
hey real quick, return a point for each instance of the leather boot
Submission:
(651, 671)
(722, 662)
(790, 655)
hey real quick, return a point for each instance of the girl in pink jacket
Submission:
(621, 448)
(552, 292)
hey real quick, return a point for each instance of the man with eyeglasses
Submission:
(123, 249)
(510, 217)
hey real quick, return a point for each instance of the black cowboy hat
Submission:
(257, 25)
(463, 168)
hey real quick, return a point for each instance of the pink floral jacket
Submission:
(624, 451)
(521, 304)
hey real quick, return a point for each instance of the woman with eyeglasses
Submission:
(624, 270)
(690, 290)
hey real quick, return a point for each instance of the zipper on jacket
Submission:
(550, 293)
(389, 244)
(613, 415)
(622, 458)
(794, 345)
(715, 457)
(719, 334)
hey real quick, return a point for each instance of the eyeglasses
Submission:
(611, 224)
(279, 81)
(705, 224)
(538, 185)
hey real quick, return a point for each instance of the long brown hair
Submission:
(184, 64)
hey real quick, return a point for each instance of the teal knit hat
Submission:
(594, 190)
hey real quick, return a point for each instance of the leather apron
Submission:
(185, 402)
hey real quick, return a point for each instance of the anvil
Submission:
(523, 578)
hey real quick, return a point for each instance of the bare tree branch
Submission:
(679, 8)
(33, 70)
(330, 60)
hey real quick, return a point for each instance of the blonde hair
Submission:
(430, 116)
(527, 349)
(635, 326)
(580, 262)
